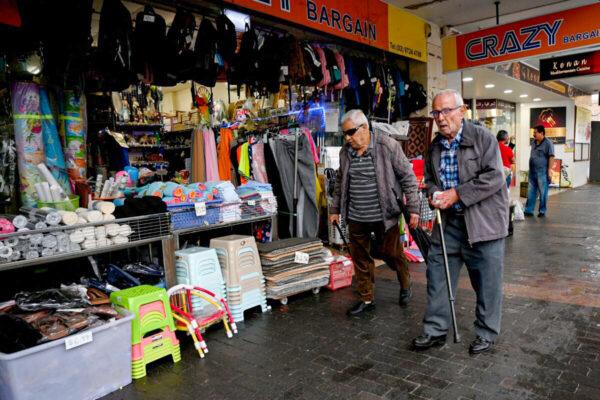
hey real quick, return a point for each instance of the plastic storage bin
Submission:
(88, 371)
(184, 215)
(340, 271)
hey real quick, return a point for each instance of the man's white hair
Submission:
(458, 100)
(356, 116)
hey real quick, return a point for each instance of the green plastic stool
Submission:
(155, 347)
(150, 306)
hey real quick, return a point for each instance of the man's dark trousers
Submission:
(485, 264)
(387, 247)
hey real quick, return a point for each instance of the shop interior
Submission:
(148, 146)
(506, 102)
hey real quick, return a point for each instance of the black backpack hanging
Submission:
(415, 97)
(312, 65)
(244, 65)
(226, 37)
(180, 56)
(149, 45)
(269, 64)
(115, 46)
(334, 70)
(205, 51)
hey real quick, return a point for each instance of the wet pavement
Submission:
(549, 347)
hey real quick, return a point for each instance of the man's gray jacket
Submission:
(482, 187)
(394, 174)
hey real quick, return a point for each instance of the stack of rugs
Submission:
(285, 277)
(258, 199)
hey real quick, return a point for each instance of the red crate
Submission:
(340, 274)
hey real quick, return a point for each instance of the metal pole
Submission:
(497, 3)
(448, 280)
(295, 203)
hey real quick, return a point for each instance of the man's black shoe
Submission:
(541, 215)
(480, 345)
(424, 341)
(528, 214)
(405, 296)
(360, 308)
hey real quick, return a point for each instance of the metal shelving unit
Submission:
(145, 229)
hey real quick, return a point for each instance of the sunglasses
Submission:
(352, 131)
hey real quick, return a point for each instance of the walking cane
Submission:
(448, 282)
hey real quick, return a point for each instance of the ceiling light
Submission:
(467, 79)
(489, 85)
(523, 95)
(537, 99)
(508, 91)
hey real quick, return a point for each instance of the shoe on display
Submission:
(541, 215)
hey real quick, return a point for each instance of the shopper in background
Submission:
(373, 170)
(508, 157)
(464, 178)
(540, 165)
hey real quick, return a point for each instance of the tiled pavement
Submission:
(549, 347)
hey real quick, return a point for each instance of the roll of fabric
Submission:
(124, 230)
(11, 242)
(53, 151)
(69, 217)
(120, 239)
(40, 225)
(105, 207)
(81, 221)
(81, 210)
(89, 244)
(77, 236)
(108, 217)
(28, 137)
(6, 226)
(113, 230)
(73, 132)
(92, 216)
(49, 241)
(100, 232)
(24, 235)
(198, 163)
(210, 156)
(48, 251)
(89, 233)
(6, 252)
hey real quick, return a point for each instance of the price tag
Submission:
(188, 39)
(285, 70)
(149, 18)
(78, 340)
(301, 258)
(362, 82)
(374, 80)
(251, 203)
(200, 209)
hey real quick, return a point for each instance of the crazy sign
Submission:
(546, 34)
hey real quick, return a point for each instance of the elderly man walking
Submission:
(464, 179)
(373, 171)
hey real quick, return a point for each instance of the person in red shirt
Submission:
(508, 157)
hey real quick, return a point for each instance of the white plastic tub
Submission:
(88, 371)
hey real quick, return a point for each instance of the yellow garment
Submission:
(244, 166)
